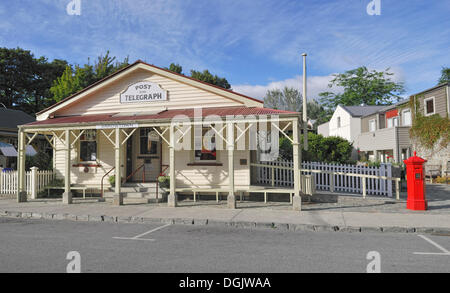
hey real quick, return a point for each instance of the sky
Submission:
(255, 44)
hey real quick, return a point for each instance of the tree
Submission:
(25, 80)
(321, 149)
(68, 83)
(177, 68)
(291, 99)
(41, 160)
(16, 74)
(47, 72)
(106, 66)
(362, 86)
(288, 99)
(318, 112)
(206, 76)
(445, 75)
(77, 78)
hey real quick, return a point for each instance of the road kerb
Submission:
(213, 222)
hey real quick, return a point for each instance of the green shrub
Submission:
(429, 130)
(112, 180)
(41, 160)
(374, 164)
(164, 181)
(321, 149)
(55, 193)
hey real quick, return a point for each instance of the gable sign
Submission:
(142, 92)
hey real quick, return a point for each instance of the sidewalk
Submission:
(249, 215)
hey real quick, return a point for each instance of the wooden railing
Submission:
(103, 178)
(332, 177)
(161, 174)
(134, 173)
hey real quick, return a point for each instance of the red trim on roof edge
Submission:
(222, 112)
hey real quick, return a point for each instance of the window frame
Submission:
(96, 147)
(403, 117)
(194, 153)
(374, 123)
(425, 108)
(157, 142)
(393, 119)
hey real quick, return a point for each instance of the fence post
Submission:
(364, 190)
(34, 182)
(332, 181)
(389, 182)
(397, 189)
(273, 176)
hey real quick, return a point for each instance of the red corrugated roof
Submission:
(165, 115)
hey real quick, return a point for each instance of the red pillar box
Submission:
(415, 171)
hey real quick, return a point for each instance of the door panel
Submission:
(146, 150)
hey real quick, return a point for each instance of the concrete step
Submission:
(136, 195)
(146, 185)
(134, 200)
(138, 189)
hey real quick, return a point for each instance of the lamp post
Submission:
(305, 101)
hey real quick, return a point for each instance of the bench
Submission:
(71, 188)
(195, 191)
(432, 171)
(217, 191)
(267, 191)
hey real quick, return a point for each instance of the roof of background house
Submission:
(10, 119)
(402, 102)
(8, 150)
(433, 88)
(360, 111)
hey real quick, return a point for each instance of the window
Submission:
(392, 122)
(429, 106)
(339, 122)
(88, 146)
(406, 120)
(372, 125)
(148, 142)
(208, 151)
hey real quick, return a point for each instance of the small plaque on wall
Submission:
(243, 162)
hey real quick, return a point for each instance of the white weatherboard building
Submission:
(346, 121)
(382, 133)
(124, 126)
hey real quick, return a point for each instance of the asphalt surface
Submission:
(42, 246)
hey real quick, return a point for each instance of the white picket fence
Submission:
(280, 173)
(35, 181)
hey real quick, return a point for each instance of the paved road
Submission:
(42, 246)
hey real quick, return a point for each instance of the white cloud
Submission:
(316, 85)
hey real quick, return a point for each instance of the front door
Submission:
(146, 151)
(129, 157)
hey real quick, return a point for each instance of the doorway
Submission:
(144, 156)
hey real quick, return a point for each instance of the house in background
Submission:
(346, 122)
(382, 133)
(434, 101)
(9, 120)
(385, 134)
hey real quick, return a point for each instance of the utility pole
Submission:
(305, 101)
